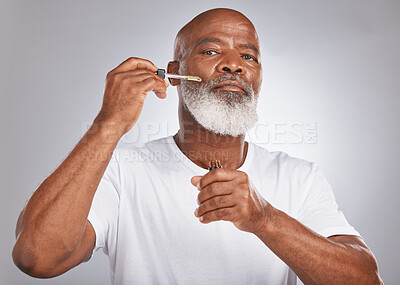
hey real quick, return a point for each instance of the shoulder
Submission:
(283, 179)
(281, 161)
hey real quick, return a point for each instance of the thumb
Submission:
(195, 180)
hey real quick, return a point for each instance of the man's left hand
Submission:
(229, 195)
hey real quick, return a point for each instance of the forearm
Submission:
(316, 259)
(54, 219)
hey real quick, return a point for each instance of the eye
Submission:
(248, 57)
(210, 52)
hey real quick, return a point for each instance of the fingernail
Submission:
(198, 202)
(201, 219)
(196, 212)
(198, 186)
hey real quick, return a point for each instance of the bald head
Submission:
(215, 43)
(210, 21)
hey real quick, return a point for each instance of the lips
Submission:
(229, 85)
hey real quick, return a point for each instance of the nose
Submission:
(232, 63)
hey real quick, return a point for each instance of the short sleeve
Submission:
(320, 211)
(103, 214)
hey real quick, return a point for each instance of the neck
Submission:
(201, 146)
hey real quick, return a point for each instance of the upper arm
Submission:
(319, 210)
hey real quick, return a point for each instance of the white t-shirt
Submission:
(143, 217)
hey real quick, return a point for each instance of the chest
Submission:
(159, 236)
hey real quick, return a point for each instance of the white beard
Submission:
(222, 112)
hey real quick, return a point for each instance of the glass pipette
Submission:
(163, 74)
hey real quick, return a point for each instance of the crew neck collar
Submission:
(197, 169)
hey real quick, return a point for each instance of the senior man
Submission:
(154, 209)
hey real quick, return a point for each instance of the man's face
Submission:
(215, 46)
(221, 47)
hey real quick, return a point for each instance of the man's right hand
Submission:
(125, 91)
(53, 233)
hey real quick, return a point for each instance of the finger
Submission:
(139, 75)
(223, 214)
(161, 95)
(218, 174)
(134, 63)
(153, 84)
(215, 189)
(215, 203)
(161, 92)
(134, 72)
(195, 180)
(147, 81)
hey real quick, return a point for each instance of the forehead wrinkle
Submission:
(217, 40)
(217, 18)
(249, 35)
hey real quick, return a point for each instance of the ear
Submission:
(173, 67)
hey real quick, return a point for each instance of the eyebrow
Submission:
(208, 40)
(250, 46)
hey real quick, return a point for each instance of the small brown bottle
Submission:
(214, 164)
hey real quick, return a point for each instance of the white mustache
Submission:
(234, 77)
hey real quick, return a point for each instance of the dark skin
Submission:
(229, 44)
(210, 50)
(53, 234)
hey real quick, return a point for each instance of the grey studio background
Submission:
(330, 94)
